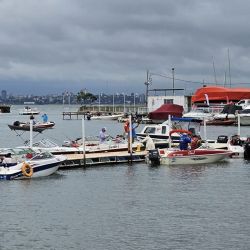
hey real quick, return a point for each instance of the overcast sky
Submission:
(52, 46)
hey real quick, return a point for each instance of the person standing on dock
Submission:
(150, 145)
(102, 135)
(127, 131)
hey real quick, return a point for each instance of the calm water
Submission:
(125, 207)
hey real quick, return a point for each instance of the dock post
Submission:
(130, 140)
(31, 130)
(83, 142)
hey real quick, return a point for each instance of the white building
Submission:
(154, 102)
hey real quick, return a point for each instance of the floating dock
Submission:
(103, 158)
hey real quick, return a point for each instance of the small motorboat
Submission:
(105, 117)
(25, 126)
(29, 111)
(191, 157)
(28, 163)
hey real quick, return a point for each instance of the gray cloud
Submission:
(110, 44)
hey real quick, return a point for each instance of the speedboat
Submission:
(91, 145)
(199, 113)
(191, 157)
(28, 163)
(244, 116)
(228, 112)
(105, 117)
(29, 111)
(235, 144)
(37, 127)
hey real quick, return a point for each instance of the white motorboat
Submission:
(29, 111)
(228, 112)
(199, 113)
(28, 163)
(190, 157)
(160, 132)
(92, 145)
(105, 117)
(235, 144)
(245, 116)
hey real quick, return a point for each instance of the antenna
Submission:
(229, 68)
(215, 79)
(225, 81)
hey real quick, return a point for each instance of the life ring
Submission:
(27, 170)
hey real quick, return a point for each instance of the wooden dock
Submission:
(103, 158)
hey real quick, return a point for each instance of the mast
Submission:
(229, 68)
(215, 79)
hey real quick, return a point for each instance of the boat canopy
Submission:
(165, 110)
(220, 94)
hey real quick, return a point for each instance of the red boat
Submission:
(219, 122)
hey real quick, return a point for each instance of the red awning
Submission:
(165, 110)
(220, 94)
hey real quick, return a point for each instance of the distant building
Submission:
(4, 95)
(154, 102)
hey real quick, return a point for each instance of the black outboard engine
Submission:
(154, 157)
(222, 139)
(16, 123)
(247, 151)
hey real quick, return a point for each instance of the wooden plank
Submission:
(102, 154)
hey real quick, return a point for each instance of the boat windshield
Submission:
(150, 130)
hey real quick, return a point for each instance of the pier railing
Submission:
(104, 109)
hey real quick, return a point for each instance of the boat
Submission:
(192, 157)
(245, 116)
(218, 95)
(92, 145)
(221, 122)
(234, 143)
(4, 108)
(99, 116)
(229, 112)
(28, 163)
(29, 111)
(25, 126)
(162, 113)
(199, 113)
(160, 132)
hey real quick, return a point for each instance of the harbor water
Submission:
(124, 206)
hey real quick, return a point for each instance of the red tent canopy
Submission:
(165, 110)
(220, 94)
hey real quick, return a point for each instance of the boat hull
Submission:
(193, 157)
(245, 120)
(40, 169)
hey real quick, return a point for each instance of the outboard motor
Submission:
(247, 151)
(154, 157)
(16, 123)
(222, 139)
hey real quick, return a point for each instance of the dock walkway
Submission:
(95, 159)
